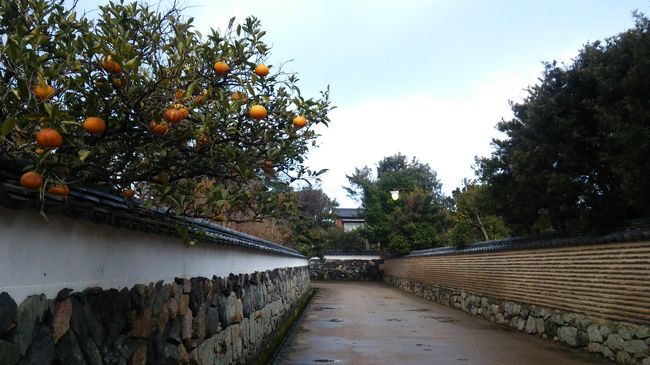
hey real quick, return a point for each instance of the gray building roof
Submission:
(350, 213)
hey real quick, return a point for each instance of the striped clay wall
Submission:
(589, 293)
(609, 281)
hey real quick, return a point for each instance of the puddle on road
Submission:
(318, 309)
(394, 320)
(326, 360)
(420, 310)
(335, 320)
(442, 319)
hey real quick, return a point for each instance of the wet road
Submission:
(370, 323)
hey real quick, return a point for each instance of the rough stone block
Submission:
(61, 318)
(531, 325)
(8, 312)
(231, 309)
(594, 334)
(212, 324)
(625, 332)
(539, 325)
(42, 349)
(183, 304)
(605, 331)
(139, 356)
(68, 350)
(635, 346)
(568, 335)
(623, 357)
(607, 352)
(186, 325)
(142, 325)
(494, 308)
(172, 308)
(615, 341)
(199, 324)
(594, 347)
(521, 324)
(29, 312)
(163, 318)
(9, 353)
(642, 332)
(174, 330)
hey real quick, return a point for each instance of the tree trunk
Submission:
(480, 224)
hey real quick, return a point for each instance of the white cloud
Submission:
(446, 133)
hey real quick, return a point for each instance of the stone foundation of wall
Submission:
(625, 343)
(188, 321)
(349, 270)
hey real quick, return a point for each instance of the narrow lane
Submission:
(370, 323)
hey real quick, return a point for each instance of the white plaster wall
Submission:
(351, 257)
(39, 256)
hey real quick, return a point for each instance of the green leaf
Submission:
(230, 23)
(190, 89)
(7, 125)
(132, 62)
(48, 108)
(83, 154)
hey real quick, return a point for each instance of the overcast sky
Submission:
(427, 78)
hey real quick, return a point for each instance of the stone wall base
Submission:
(625, 343)
(346, 270)
(188, 321)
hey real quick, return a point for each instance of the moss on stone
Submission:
(272, 345)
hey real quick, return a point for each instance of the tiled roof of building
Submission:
(351, 213)
(101, 206)
(634, 232)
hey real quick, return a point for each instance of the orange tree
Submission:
(140, 102)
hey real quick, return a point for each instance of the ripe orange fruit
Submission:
(299, 122)
(261, 70)
(221, 68)
(109, 65)
(160, 129)
(39, 151)
(59, 189)
(101, 83)
(257, 112)
(94, 125)
(179, 94)
(173, 115)
(49, 138)
(268, 167)
(238, 95)
(183, 110)
(44, 93)
(202, 139)
(152, 124)
(31, 180)
(128, 193)
(199, 99)
(40, 37)
(117, 82)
